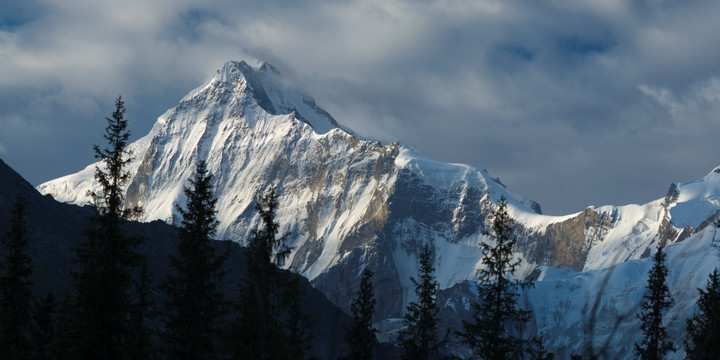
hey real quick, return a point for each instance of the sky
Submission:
(570, 103)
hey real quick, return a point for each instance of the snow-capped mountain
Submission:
(349, 202)
(345, 201)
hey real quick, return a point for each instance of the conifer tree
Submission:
(656, 301)
(271, 325)
(42, 330)
(195, 305)
(360, 336)
(704, 327)
(421, 339)
(494, 332)
(267, 250)
(108, 260)
(15, 284)
(536, 349)
(140, 343)
(64, 345)
(296, 324)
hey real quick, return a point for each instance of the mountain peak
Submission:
(232, 67)
(264, 86)
(266, 66)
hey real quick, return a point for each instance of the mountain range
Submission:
(348, 203)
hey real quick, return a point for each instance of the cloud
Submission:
(613, 97)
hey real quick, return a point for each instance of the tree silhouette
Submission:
(272, 324)
(15, 284)
(655, 343)
(265, 249)
(361, 334)
(704, 327)
(42, 329)
(195, 305)
(493, 334)
(420, 339)
(109, 259)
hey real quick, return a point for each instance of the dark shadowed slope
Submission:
(54, 228)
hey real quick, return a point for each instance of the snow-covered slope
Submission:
(594, 311)
(562, 300)
(350, 203)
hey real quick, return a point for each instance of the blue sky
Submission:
(571, 103)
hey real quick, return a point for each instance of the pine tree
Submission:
(42, 329)
(296, 325)
(108, 259)
(704, 327)
(271, 325)
(536, 349)
(15, 296)
(421, 338)
(656, 301)
(360, 335)
(265, 249)
(64, 345)
(195, 305)
(115, 158)
(498, 318)
(140, 343)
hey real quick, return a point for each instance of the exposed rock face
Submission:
(567, 243)
(666, 232)
(456, 212)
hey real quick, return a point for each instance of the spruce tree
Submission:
(143, 314)
(271, 324)
(43, 328)
(195, 306)
(296, 324)
(536, 349)
(421, 339)
(656, 301)
(360, 336)
(265, 248)
(108, 260)
(15, 284)
(704, 327)
(494, 332)
(64, 345)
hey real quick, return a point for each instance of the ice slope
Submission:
(696, 201)
(637, 229)
(74, 188)
(562, 299)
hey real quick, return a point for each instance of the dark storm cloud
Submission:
(570, 103)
